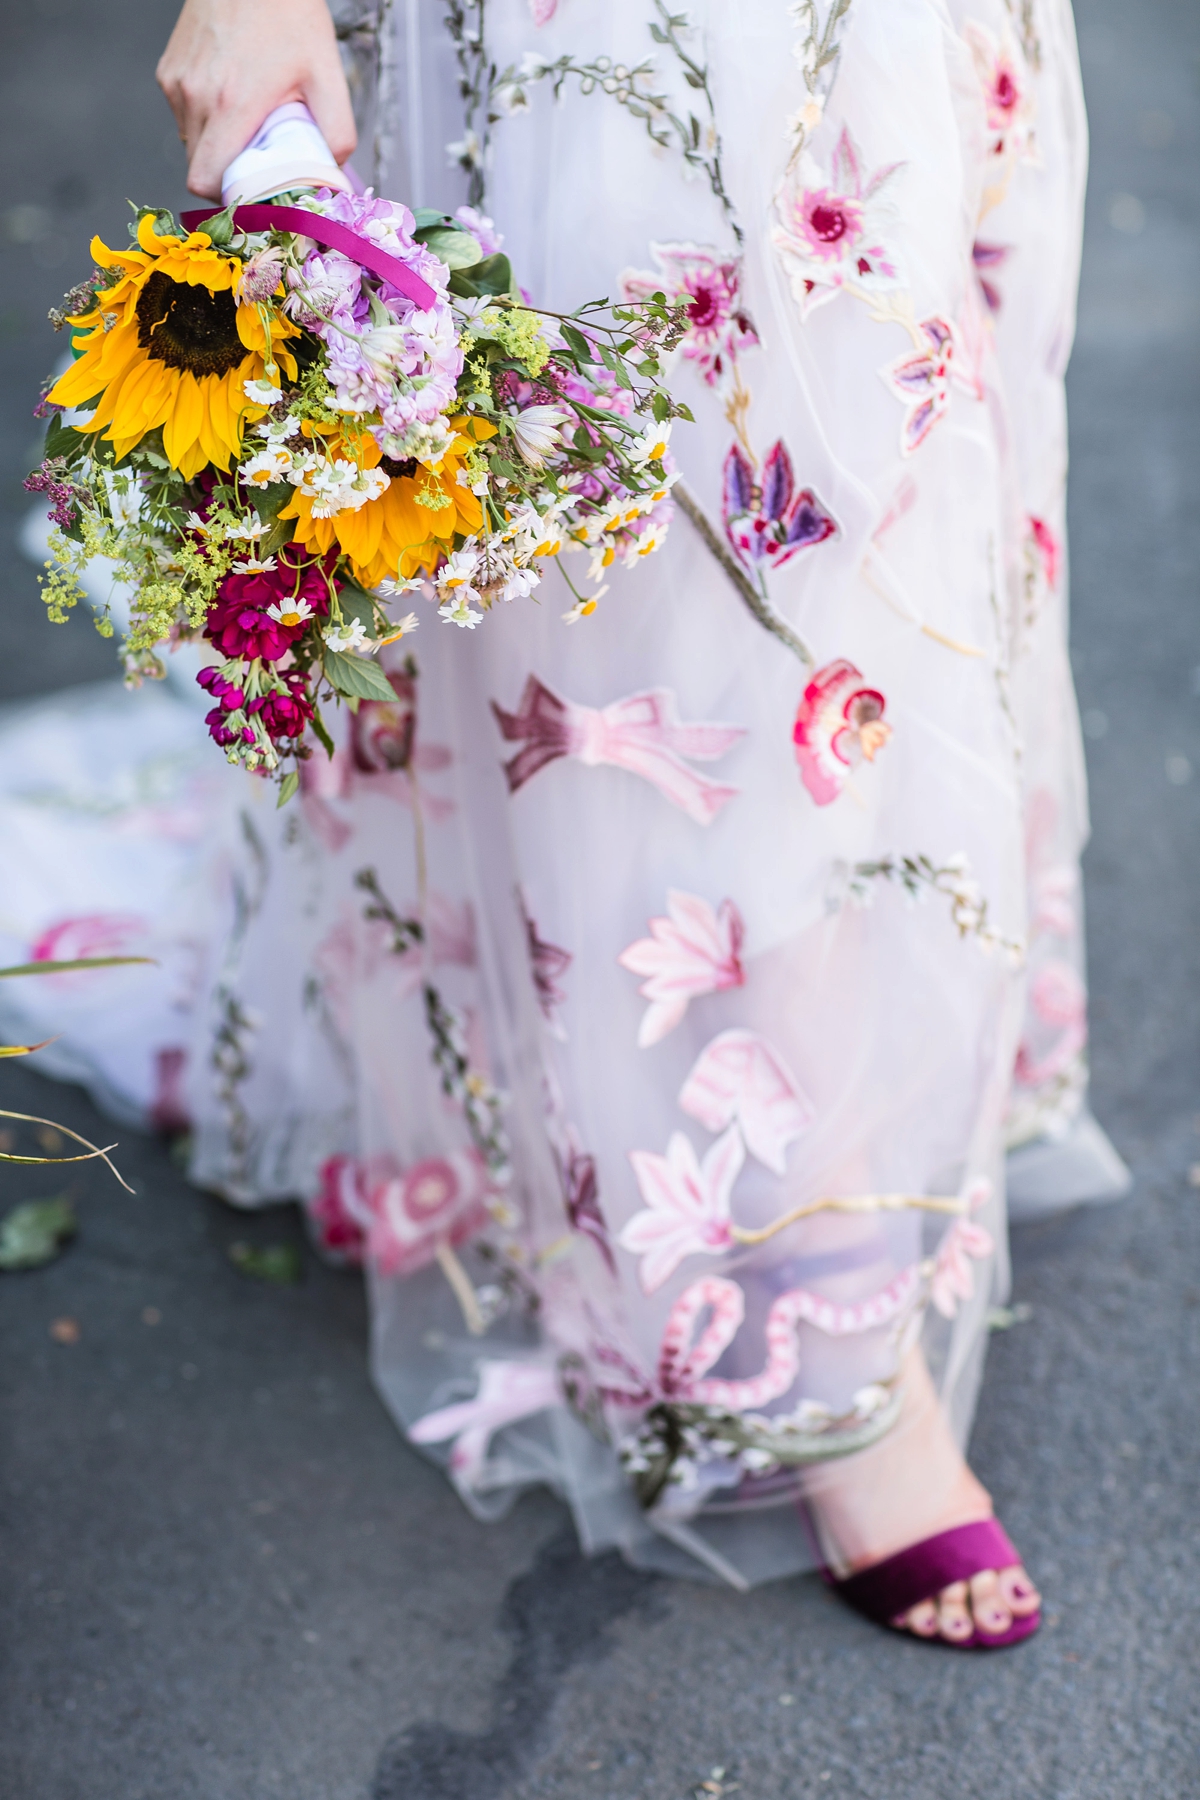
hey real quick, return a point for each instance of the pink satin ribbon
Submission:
(331, 234)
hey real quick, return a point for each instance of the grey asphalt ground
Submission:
(224, 1576)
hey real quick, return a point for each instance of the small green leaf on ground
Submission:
(280, 1263)
(35, 1233)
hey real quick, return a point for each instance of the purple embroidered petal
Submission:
(737, 485)
(777, 482)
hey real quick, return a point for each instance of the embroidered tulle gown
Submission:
(647, 1002)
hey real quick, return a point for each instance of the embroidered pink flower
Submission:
(507, 1391)
(547, 963)
(768, 523)
(687, 1205)
(1004, 77)
(693, 951)
(581, 1197)
(340, 1212)
(839, 723)
(91, 934)
(988, 257)
(922, 380)
(1058, 999)
(1047, 550)
(739, 1078)
(542, 11)
(953, 1278)
(718, 328)
(832, 232)
(437, 1201)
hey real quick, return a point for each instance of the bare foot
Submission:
(911, 1485)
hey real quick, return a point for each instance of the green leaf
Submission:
(491, 276)
(82, 962)
(356, 603)
(660, 405)
(34, 1234)
(425, 216)
(322, 734)
(280, 1263)
(577, 342)
(356, 678)
(452, 245)
(63, 440)
(287, 787)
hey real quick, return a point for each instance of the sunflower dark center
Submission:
(187, 327)
(395, 469)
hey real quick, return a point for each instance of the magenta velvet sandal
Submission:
(887, 1590)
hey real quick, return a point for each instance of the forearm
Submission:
(230, 62)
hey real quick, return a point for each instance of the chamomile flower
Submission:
(290, 612)
(253, 565)
(263, 392)
(348, 634)
(583, 609)
(651, 446)
(268, 466)
(400, 629)
(458, 570)
(459, 612)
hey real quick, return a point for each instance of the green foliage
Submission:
(35, 1233)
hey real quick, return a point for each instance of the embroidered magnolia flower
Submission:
(693, 951)
(581, 1197)
(740, 1078)
(832, 231)
(922, 380)
(839, 723)
(507, 1391)
(1004, 77)
(90, 934)
(437, 1201)
(687, 1205)
(718, 329)
(768, 524)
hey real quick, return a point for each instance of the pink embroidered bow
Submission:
(642, 734)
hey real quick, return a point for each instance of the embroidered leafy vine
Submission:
(482, 1104)
(919, 876)
(817, 53)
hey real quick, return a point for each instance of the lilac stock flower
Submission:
(53, 481)
(404, 366)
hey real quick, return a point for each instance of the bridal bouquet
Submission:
(283, 418)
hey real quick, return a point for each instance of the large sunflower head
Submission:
(168, 344)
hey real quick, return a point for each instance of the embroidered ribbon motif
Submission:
(642, 734)
(331, 234)
(507, 1391)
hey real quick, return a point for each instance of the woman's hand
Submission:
(230, 62)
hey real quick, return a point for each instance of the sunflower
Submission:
(412, 524)
(168, 344)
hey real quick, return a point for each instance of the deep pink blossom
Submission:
(239, 623)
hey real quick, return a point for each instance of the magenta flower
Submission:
(718, 327)
(768, 524)
(922, 379)
(832, 232)
(687, 1205)
(284, 714)
(839, 723)
(741, 1079)
(239, 623)
(692, 951)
